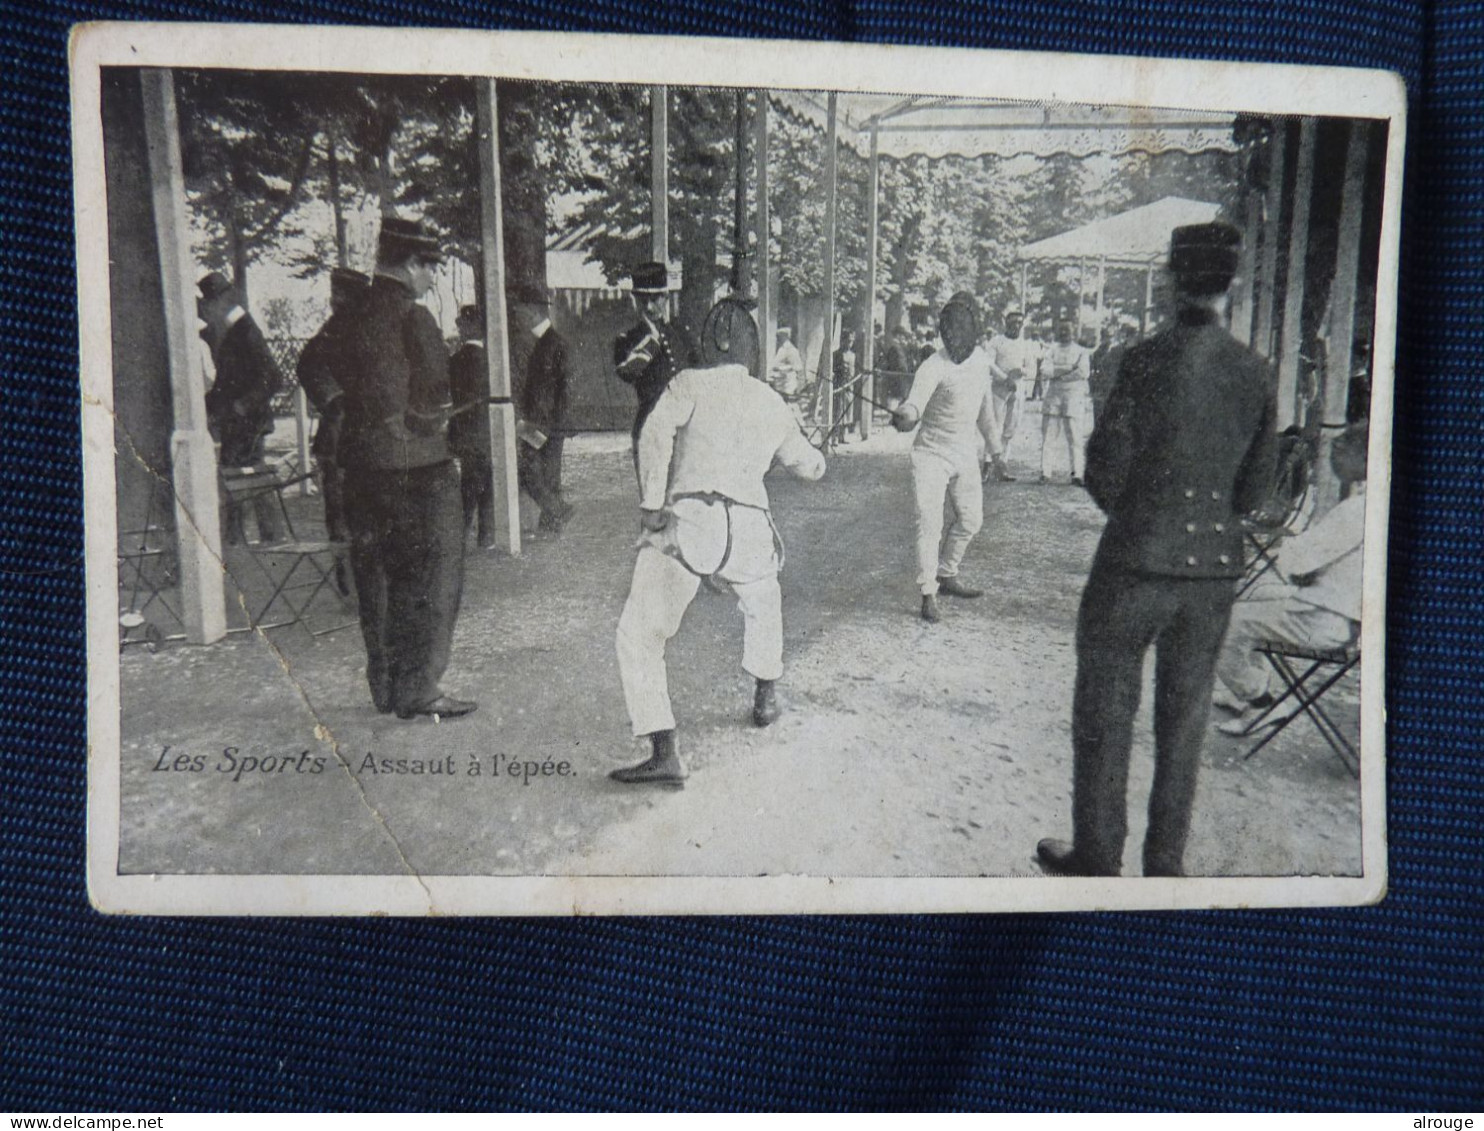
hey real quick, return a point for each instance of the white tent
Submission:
(1139, 237)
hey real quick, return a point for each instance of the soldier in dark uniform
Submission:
(239, 404)
(319, 373)
(402, 485)
(1185, 449)
(541, 401)
(651, 353)
(469, 431)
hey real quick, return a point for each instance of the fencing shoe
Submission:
(662, 768)
(765, 708)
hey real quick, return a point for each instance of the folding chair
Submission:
(297, 569)
(1284, 513)
(146, 577)
(1307, 674)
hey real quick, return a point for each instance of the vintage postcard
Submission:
(536, 474)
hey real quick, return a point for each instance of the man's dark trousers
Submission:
(407, 552)
(477, 476)
(539, 471)
(1122, 613)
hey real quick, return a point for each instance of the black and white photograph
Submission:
(533, 473)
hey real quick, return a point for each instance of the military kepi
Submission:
(403, 238)
(651, 279)
(1204, 256)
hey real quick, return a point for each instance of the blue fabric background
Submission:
(1380, 1007)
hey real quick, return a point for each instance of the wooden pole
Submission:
(764, 238)
(1148, 310)
(659, 173)
(1242, 303)
(1024, 268)
(1272, 228)
(193, 460)
(1102, 285)
(740, 274)
(873, 253)
(827, 349)
(1341, 353)
(496, 329)
(1293, 291)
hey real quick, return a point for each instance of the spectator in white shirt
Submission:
(1313, 600)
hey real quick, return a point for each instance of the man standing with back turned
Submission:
(1185, 449)
(649, 354)
(402, 496)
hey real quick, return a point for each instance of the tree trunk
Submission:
(237, 248)
(522, 183)
(342, 255)
(698, 264)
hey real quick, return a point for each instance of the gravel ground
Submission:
(906, 749)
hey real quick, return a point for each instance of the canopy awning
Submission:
(968, 127)
(1139, 237)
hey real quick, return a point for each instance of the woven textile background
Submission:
(1380, 1007)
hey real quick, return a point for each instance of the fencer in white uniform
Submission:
(953, 408)
(703, 452)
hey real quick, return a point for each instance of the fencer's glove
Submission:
(904, 417)
(654, 521)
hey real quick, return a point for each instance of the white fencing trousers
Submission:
(1006, 400)
(661, 591)
(933, 478)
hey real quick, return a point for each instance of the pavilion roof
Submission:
(1139, 237)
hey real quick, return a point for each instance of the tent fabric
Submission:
(1139, 237)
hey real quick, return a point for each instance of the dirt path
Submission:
(906, 749)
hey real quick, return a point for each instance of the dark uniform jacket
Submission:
(320, 368)
(650, 378)
(469, 383)
(321, 361)
(543, 395)
(1184, 450)
(239, 403)
(396, 383)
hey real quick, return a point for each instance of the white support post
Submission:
(659, 172)
(827, 350)
(873, 241)
(301, 436)
(496, 329)
(193, 461)
(764, 273)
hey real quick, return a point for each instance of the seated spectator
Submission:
(1313, 600)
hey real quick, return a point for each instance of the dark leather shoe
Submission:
(956, 588)
(669, 773)
(1059, 858)
(930, 609)
(765, 708)
(445, 707)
